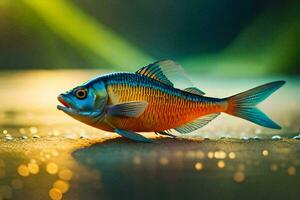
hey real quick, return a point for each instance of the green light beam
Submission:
(74, 26)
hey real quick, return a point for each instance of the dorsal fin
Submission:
(194, 90)
(158, 71)
(167, 72)
(196, 124)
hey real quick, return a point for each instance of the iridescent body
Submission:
(147, 101)
(167, 108)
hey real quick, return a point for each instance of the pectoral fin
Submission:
(127, 109)
(132, 135)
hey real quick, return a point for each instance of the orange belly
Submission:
(164, 111)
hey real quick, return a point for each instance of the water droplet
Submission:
(35, 136)
(244, 138)
(276, 137)
(206, 138)
(297, 137)
(257, 138)
(8, 137)
(24, 137)
(224, 137)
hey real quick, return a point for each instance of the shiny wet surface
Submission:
(178, 169)
(44, 154)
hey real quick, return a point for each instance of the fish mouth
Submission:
(66, 106)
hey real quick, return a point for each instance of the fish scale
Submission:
(167, 107)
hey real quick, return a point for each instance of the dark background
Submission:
(249, 37)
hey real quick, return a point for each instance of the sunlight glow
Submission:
(76, 27)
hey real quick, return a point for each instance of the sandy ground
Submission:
(167, 168)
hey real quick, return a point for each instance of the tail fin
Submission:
(243, 104)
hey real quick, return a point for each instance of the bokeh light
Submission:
(33, 168)
(52, 168)
(239, 177)
(62, 186)
(65, 174)
(265, 152)
(198, 166)
(55, 194)
(221, 164)
(23, 170)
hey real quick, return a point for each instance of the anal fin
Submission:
(196, 124)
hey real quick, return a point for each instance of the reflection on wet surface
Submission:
(187, 169)
(44, 154)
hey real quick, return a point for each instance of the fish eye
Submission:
(81, 93)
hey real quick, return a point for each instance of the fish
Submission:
(148, 101)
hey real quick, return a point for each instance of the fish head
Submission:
(85, 102)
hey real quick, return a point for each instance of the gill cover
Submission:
(87, 109)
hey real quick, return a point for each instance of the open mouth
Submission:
(65, 105)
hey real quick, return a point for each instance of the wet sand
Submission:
(167, 168)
